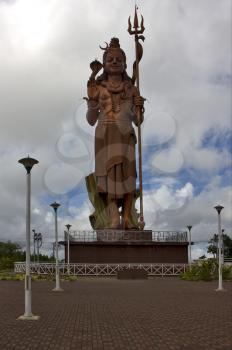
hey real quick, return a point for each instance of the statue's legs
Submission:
(113, 213)
(127, 205)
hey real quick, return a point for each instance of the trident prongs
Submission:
(137, 30)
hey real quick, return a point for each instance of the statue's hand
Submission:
(139, 107)
(139, 101)
(91, 82)
(92, 89)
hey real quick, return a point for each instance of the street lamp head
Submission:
(55, 206)
(219, 208)
(68, 226)
(28, 163)
(189, 227)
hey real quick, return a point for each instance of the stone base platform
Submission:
(127, 252)
(126, 246)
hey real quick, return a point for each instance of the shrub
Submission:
(42, 277)
(69, 278)
(6, 276)
(6, 263)
(11, 276)
(227, 272)
(205, 270)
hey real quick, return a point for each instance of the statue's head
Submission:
(114, 58)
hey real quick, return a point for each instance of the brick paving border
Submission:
(110, 314)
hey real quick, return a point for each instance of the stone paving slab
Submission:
(110, 314)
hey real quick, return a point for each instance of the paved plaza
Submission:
(106, 313)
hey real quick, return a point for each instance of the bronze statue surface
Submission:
(114, 103)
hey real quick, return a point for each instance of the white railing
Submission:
(101, 269)
(116, 235)
(228, 260)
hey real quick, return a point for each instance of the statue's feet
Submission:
(113, 214)
(115, 224)
(128, 224)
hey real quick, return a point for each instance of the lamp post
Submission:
(55, 206)
(189, 227)
(223, 248)
(28, 163)
(68, 248)
(34, 235)
(53, 251)
(38, 242)
(220, 287)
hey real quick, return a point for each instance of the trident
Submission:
(138, 55)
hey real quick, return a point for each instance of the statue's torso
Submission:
(116, 103)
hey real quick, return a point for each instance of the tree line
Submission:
(11, 252)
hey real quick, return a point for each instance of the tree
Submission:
(11, 252)
(227, 244)
(9, 248)
(202, 257)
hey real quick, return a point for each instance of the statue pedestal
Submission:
(129, 246)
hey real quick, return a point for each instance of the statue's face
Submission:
(114, 63)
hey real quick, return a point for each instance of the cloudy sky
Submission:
(45, 50)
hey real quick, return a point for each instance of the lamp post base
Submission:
(57, 290)
(29, 318)
(57, 285)
(220, 290)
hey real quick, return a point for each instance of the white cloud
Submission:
(169, 209)
(36, 211)
(160, 204)
(200, 249)
(168, 160)
(167, 198)
(60, 178)
(165, 124)
(71, 146)
(210, 160)
(49, 218)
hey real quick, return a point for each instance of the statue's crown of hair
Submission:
(114, 43)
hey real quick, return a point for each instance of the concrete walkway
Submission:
(106, 313)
